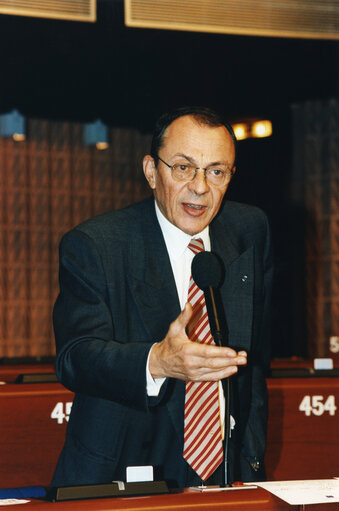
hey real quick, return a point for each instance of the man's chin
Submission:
(193, 227)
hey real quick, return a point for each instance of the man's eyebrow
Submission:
(182, 155)
(191, 160)
(218, 163)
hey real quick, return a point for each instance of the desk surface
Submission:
(241, 500)
(9, 373)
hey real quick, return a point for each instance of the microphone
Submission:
(208, 274)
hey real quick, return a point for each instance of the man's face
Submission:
(192, 205)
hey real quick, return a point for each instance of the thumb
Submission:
(178, 327)
(185, 315)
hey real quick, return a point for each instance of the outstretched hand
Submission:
(178, 357)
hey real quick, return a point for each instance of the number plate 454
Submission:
(318, 405)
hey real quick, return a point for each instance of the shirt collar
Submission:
(176, 240)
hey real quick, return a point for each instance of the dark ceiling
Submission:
(80, 71)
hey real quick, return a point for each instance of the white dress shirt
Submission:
(180, 255)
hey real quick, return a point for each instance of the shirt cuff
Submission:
(153, 386)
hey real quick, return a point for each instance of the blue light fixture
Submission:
(12, 124)
(96, 133)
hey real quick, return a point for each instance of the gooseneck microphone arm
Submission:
(208, 273)
(213, 314)
(219, 341)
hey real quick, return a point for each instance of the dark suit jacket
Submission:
(117, 297)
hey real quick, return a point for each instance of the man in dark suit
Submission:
(120, 319)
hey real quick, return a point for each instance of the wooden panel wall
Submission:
(315, 191)
(48, 184)
(51, 182)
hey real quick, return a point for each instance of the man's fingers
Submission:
(209, 351)
(176, 356)
(204, 375)
(222, 362)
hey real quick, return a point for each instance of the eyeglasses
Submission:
(217, 175)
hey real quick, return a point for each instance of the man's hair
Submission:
(202, 114)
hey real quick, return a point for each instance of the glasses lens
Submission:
(183, 172)
(218, 176)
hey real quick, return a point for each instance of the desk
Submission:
(303, 428)
(10, 373)
(245, 500)
(33, 422)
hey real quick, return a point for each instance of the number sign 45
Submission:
(317, 405)
(61, 412)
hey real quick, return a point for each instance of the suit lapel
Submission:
(152, 279)
(155, 292)
(237, 288)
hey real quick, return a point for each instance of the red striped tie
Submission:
(203, 449)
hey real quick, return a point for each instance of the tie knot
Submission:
(196, 245)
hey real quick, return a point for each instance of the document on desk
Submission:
(317, 491)
(12, 502)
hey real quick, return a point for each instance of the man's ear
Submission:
(149, 170)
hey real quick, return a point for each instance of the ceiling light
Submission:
(260, 129)
(252, 128)
(96, 134)
(12, 124)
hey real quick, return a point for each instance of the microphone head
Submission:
(207, 270)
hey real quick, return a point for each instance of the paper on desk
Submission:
(12, 502)
(316, 491)
(207, 489)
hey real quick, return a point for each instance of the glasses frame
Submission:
(230, 172)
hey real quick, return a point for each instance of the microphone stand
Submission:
(218, 340)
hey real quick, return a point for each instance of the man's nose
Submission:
(199, 183)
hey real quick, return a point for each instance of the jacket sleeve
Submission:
(89, 358)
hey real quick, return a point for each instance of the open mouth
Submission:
(193, 208)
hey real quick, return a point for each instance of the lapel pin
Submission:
(244, 278)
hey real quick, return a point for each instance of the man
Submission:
(121, 318)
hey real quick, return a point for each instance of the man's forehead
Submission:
(187, 130)
(188, 123)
